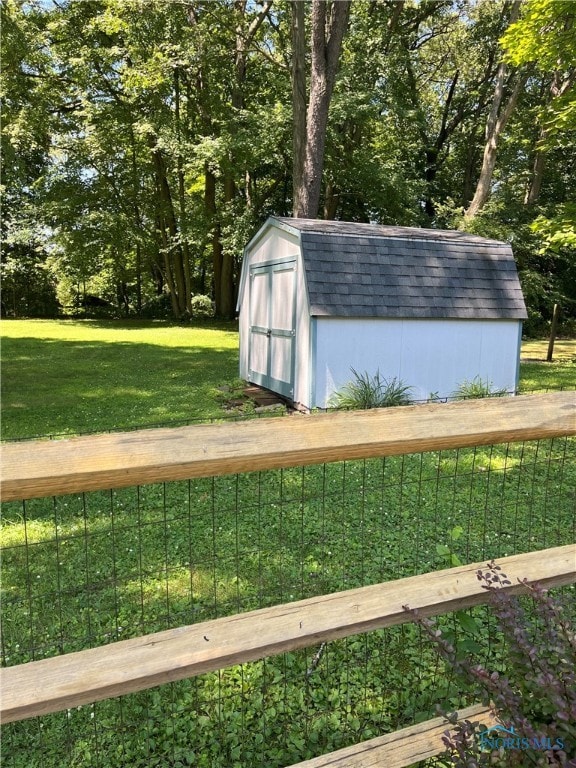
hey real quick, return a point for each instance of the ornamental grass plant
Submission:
(366, 391)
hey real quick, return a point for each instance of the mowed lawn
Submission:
(71, 377)
(537, 374)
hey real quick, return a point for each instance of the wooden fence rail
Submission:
(401, 748)
(96, 462)
(61, 682)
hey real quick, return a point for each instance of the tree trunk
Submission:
(138, 278)
(553, 332)
(433, 152)
(173, 262)
(167, 271)
(226, 302)
(559, 86)
(223, 260)
(498, 117)
(470, 165)
(298, 101)
(182, 200)
(331, 200)
(157, 275)
(329, 23)
(538, 167)
(137, 221)
(484, 185)
(210, 209)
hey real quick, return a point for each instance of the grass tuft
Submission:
(476, 388)
(366, 391)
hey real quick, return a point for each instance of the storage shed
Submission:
(429, 307)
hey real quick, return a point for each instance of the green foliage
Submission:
(533, 695)
(202, 306)
(546, 266)
(116, 123)
(366, 391)
(28, 289)
(476, 388)
(126, 130)
(560, 231)
(446, 551)
(544, 36)
(157, 308)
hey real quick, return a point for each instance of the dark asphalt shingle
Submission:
(369, 270)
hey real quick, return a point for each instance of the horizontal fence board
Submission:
(62, 682)
(96, 462)
(401, 748)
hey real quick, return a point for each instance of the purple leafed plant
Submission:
(535, 699)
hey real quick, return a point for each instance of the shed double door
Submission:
(273, 326)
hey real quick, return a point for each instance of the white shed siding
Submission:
(431, 356)
(373, 297)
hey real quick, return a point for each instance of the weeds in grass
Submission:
(84, 570)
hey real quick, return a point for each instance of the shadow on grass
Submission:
(135, 324)
(56, 387)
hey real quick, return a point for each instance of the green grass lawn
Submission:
(63, 376)
(536, 374)
(87, 569)
(72, 377)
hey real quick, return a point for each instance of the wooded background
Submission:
(145, 141)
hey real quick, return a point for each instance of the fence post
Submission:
(553, 331)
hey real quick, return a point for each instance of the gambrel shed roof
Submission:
(369, 270)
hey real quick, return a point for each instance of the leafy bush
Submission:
(28, 289)
(367, 391)
(536, 696)
(202, 306)
(476, 388)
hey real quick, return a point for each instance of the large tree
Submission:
(328, 25)
(154, 149)
(507, 88)
(145, 143)
(545, 39)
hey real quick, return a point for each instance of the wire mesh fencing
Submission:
(83, 570)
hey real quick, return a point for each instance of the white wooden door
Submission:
(273, 326)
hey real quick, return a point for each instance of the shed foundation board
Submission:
(431, 356)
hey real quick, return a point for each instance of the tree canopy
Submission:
(144, 142)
